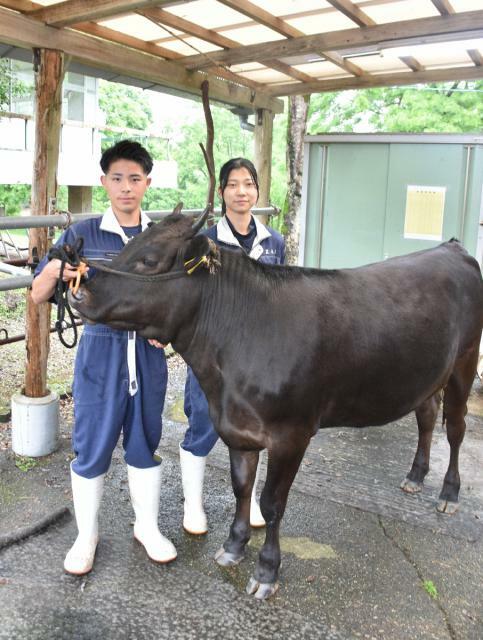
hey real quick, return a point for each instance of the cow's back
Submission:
(356, 346)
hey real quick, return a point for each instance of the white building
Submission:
(83, 125)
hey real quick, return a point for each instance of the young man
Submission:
(119, 378)
(240, 231)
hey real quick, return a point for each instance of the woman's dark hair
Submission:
(227, 168)
(127, 150)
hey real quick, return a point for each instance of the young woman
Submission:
(238, 230)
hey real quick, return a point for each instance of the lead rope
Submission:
(66, 254)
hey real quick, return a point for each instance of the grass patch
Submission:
(430, 588)
(12, 305)
(24, 463)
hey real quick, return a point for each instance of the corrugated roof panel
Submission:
(286, 7)
(322, 69)
(183, 46)
(322, 23)
(246, 66)
(466, 5)
(253, 35)
(379, 64)
(136, 26)
(207, 13)
(399, 11)
(266, 76)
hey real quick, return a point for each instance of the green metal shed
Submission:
(368, 197)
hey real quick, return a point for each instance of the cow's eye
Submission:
(150, 261)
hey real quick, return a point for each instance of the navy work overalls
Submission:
(119, 378)
(268, 247)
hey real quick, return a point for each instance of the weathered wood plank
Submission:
(407, 32)
(25, 32)
(48, 104)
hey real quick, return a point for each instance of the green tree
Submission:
(13, 197)
(124, 106)
(447, 107)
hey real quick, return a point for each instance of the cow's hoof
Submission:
(411, 486)
(227, 559)
(261, 590)
(447, 506)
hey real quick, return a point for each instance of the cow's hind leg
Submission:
(243, 466)
(283, 463)
(454, 406)
(426, 415)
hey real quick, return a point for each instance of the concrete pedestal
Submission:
(35, 425)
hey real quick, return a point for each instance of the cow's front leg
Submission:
(283, 463)
(243, 471)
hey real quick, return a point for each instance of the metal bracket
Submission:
(52, 211)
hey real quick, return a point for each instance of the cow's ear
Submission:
(201, 252)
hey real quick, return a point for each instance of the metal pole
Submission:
(65, 219)
(20, 282)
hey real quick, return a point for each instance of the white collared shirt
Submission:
(225, 234)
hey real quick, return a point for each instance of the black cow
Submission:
(283, 351)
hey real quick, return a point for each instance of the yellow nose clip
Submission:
(200, 261)
(74, 284)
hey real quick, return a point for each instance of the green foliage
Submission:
(24, 463)
(14, 197)
(124, 106)
(447, 107)
(430, 588)
(10, 86)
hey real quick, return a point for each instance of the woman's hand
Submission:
(156, 343)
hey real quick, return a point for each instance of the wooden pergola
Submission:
(251, 52)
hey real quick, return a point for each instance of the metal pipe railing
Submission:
(65, 219)
(19, 282)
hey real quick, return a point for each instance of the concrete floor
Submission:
(361, 559)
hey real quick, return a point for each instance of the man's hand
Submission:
(44, 284)
(53, 271)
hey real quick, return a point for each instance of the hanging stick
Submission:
(208, 151)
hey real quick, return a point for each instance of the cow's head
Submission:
(151, 284)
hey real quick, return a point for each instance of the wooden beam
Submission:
(412, 63)
(408, 32)
(111, 35)
(263, 154)
(21, 31)
(48, 106)
(165, 17)
(444, 7)
(353, 12)
(338, 60)
(70, 12)
(476, 56)
(263, 17)
(380, 80)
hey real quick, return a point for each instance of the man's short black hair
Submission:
(127, 150)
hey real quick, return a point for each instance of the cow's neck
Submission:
(224, 312)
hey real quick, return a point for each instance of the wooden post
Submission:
(263, 154)
(79, 199)
(48, 102)
(298, 109)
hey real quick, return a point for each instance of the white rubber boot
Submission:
(192, 475)
(145, 489)
(256, 518)
(87, 494)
